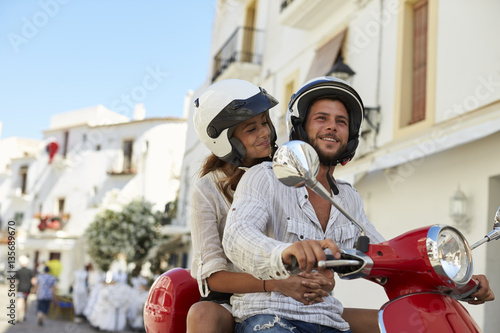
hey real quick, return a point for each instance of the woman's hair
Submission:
(233, 174)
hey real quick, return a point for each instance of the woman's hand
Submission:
(324, 280)
(307, 288)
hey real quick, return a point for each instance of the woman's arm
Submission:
(305, 288)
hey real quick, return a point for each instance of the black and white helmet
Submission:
(221, 107)
(330, 87)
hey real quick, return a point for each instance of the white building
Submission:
(103, 160)
(429, 74)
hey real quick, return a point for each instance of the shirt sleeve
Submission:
(208, 255)
(247, 237)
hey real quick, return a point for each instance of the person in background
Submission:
(232, 120)
(45, 288)
(80, 291)
(24, 277)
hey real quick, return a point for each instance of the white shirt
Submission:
(209, 208)
(266, 217)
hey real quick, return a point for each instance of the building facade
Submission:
(90, 160)
(429, 75)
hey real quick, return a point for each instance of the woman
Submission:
(232, 120)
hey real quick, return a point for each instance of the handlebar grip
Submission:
(294, 268)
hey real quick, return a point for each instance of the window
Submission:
(127, 155)
(60, 206)
(420, 11)
(19, 217)
(415, 68)
(23, 173)
(290, 87)
(65, 144)
(248, 34)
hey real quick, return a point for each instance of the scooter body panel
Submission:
(426, 312)
(169, 300)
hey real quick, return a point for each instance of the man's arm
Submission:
(253, 216)
(249, 222)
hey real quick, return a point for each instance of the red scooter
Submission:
(424, 271)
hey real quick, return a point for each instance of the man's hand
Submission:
(484, 293)
(309, 252)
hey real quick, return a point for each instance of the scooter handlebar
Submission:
(330, 262)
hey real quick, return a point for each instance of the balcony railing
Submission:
(244, 45)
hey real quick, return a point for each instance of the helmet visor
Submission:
(240, 110)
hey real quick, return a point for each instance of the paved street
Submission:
(61, 325)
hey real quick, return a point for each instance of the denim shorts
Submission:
(272, 323)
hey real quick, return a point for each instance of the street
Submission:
(61, 325)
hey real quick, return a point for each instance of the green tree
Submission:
(132, 231)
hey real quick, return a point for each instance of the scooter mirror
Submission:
(493, 235)
(296, 163)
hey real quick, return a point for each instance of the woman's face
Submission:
(255, 134)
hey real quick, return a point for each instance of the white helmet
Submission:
(319, 87)
(224, 105)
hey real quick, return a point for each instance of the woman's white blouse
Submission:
(209, 209)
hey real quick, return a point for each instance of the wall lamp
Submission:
(458, 209)
(342, 71)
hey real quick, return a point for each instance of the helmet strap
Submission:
(331, 181)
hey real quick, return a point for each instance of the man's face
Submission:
(327, 128)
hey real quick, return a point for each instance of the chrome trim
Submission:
(432, 253)
(381, 325)
(363, 271)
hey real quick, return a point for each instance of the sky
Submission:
(63, 55)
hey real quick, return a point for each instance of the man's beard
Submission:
(329, 158)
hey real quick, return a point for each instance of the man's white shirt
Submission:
(265, 218)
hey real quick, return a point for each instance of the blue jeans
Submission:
(272, 323)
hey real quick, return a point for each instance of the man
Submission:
(269, 223)
(25, 276)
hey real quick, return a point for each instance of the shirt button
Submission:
(306, 196)
(301, 236)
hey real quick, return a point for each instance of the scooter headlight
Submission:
(449, 254)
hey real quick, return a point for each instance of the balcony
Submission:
(240, 56)
(51, 222)
(306, 14)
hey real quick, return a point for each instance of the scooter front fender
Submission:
(425, 312)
